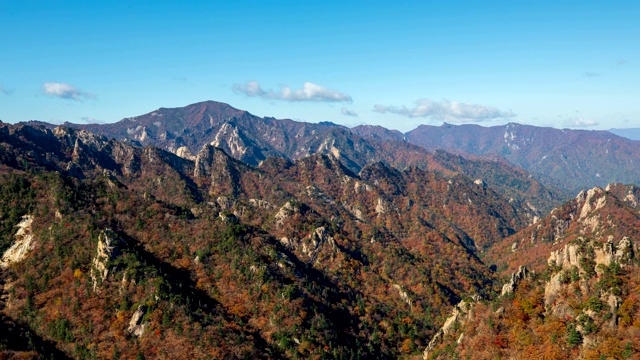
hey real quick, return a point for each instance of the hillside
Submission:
(574, 293)
(597, 214)
(112, 250)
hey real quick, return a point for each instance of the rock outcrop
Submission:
(21, 246)
(404, 295)
(184, 153)
(219, 169)
(622, 253)
(136, 326)
(565, 257)
(462, 312)
(287, 210)
(591, 201)
(575, 259)
(108, 248)
(516, 278)
(311, 245)
(604, 253)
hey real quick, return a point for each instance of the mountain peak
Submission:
(209, 104)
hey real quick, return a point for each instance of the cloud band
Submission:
(451, 111)
(308, 92)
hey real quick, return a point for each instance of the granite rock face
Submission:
(462, 312)
(516, 278)
(136, 326)
(21, 246)
(108, 248)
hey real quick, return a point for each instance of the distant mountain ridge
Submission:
(629, 133)
(576, 159)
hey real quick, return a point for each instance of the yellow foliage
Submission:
(304, 346)
(407, 346)
(626, 311)
(202, 284)
(407, 320)
(183, 263)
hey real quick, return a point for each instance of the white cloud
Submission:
(580, 123)
(451, 111)
(348, 112)
(91, 120)
(65, 91)
(252, 88)
(309, 92)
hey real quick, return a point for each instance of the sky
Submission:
(566, 64)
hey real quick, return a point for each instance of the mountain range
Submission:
(573, 160)
(252, 139)
(566, 160)
(572, 157)
(207, 231)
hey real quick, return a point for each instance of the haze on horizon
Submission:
(570, 65)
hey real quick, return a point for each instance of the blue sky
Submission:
(398, 64)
